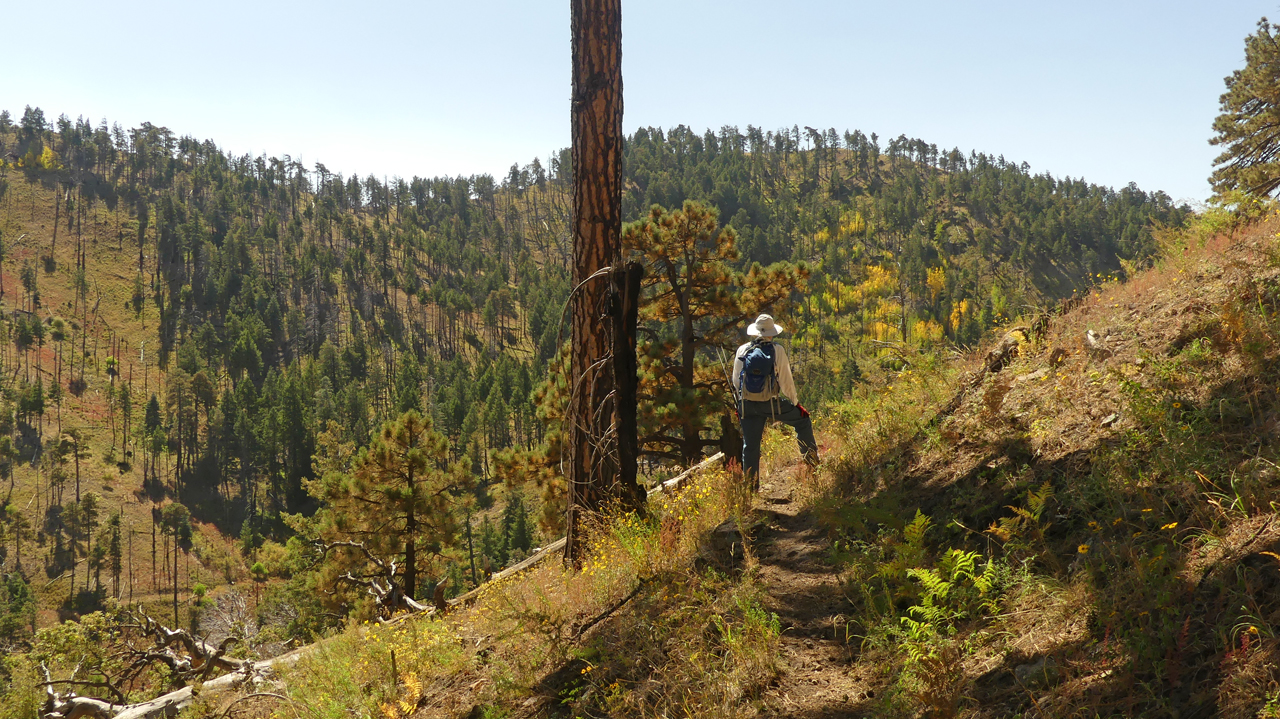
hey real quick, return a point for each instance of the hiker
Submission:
(766, 391)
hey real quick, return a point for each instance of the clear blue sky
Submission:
(1113, 91)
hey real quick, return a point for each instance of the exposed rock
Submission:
(724, 546)
(1096, 344)
(1038, 374)
(1040, 673)
(1110, 419)
(1006, 350)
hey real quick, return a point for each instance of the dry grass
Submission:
(663, 618)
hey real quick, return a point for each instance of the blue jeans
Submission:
(755, 415)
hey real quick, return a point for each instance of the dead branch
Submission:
(226, 712)
(70, 706)
(103, 683)
(388, 595)
(203, 657)
(613, 608)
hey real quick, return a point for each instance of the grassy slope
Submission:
(28, 209)
(1145, 577)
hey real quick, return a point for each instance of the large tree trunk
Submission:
(596, 112)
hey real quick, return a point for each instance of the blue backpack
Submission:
(759, 373)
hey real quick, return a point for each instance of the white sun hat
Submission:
(764, 326)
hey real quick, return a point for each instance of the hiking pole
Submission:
(737, 401)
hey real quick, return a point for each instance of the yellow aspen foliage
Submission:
(852, 224)
(49, 159)
(883, 311)
(927, 331)
(937, 282)
(880, 282)
(882, 331)
(958, 313)
(839, 296)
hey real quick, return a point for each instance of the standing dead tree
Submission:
(382, 583)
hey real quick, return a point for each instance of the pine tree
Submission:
(1250, 113)
(493, 546)
(695, 304)
(115, 552)
(400, 499)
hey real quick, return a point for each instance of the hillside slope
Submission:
(1083, 524)
(1103, 507)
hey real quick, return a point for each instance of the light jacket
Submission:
(786, 385)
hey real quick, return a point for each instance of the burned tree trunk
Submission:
(625, 315)
(596, 118)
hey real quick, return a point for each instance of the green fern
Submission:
(1037, 501)
(958, 564)
(935, 586)
(985, 582)
(913, 533)
(912, 552)
(1025, 525)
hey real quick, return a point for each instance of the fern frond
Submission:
(1036, 501)
(1024, 514)
(913, 533)
(935, 587)
(1004, 529)
(958, 564)
(985, 581)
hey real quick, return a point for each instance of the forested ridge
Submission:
(222, 337)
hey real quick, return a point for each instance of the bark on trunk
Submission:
(626, 309)
(596, 118)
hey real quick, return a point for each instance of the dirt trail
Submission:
(818, 678)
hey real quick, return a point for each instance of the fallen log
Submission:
(175, 701)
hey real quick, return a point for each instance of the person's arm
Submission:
(786, 385)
